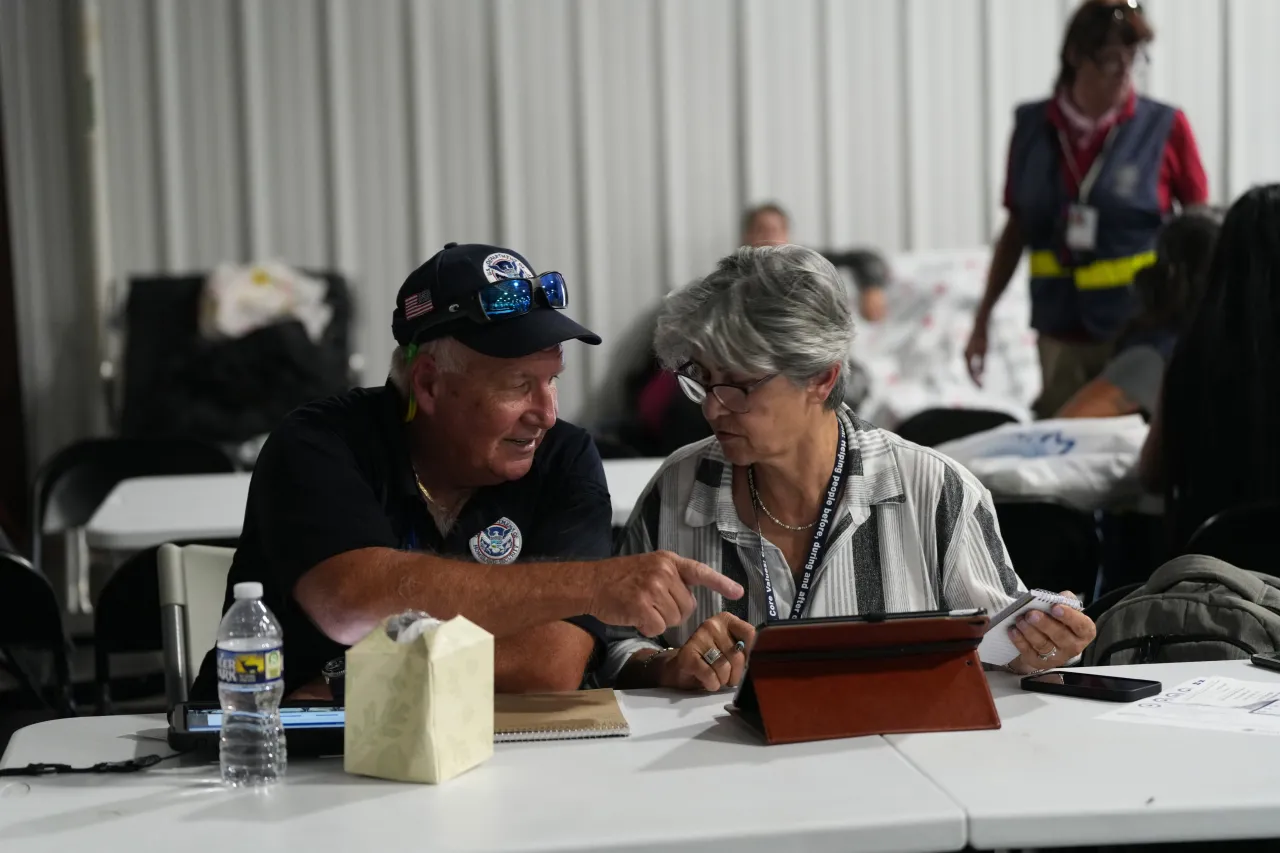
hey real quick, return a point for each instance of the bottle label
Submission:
(258, 667)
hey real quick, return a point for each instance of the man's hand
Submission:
(650, 592)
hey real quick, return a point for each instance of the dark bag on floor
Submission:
(1193, 608)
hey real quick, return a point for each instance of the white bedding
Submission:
(915, 358)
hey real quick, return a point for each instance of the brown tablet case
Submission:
(834, 678)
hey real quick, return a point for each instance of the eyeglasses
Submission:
(732, 397)
(505, 299)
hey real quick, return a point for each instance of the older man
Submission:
(453, 489)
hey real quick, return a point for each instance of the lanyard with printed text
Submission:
(819, 545)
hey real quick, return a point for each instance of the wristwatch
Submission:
(335, 675)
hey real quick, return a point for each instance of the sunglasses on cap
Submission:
(505, 299)
(1119, 11)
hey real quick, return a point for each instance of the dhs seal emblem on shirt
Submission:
(497, 544)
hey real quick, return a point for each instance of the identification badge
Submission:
(258, 667)
(1082, 228)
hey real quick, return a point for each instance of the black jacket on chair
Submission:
(237, 389)
(176, 383)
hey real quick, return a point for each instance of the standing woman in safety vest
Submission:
(1093, 173)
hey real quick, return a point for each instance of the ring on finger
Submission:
(1053, 651)
(711, 655)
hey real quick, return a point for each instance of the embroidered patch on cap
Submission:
(417, 304)
(500, 265)
(497, 544)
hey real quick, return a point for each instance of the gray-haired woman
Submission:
(814, 512)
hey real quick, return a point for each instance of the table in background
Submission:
(688, 777)
(627, 479)
(146, 511)
(1055, 775)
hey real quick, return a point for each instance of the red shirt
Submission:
(1182, 176)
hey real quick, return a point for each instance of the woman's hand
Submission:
(975, 351)
(1050, 639)
(688, 669)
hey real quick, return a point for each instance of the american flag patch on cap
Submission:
(417, 304)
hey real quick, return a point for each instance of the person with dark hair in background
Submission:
(1167, 292)
(657, 419)
(768, 225)
(1093, 173)
(1223, 383)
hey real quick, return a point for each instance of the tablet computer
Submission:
(878, 673)
(869, 635)
(311, 727)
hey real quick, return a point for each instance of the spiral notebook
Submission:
(996, 647)
(557, 716)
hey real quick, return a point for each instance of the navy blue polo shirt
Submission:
(335, 476)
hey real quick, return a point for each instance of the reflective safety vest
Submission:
(1073, 292)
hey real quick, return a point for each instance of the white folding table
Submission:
(1055, 775)
(147, 511)
(689, 777)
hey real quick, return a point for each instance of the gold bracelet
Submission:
(644, 664)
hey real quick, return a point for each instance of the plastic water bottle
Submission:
(250, 687)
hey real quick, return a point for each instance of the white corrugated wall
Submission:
(614, 140)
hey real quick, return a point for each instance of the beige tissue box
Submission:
(420, 711)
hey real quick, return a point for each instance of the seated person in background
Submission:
(1223, 382)
(1167, 292)
(794, 493)
(768, 225)
(455, 490)
(659, 420)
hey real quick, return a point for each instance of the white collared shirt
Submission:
(915, 531)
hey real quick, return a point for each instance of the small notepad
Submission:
(996, 647)
(557, 716)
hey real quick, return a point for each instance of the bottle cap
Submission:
(247, 589)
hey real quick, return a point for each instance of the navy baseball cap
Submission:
(457, 272)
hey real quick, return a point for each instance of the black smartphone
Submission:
(1086, 685)
(1270, 660)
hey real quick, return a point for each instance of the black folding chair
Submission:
(1245, 536)
(938, 426)
(1051, 547)
(71, 486)
(30, 619)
